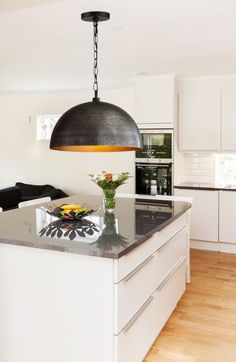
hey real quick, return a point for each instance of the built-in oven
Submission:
(153, 179)
(154, 163)
(157, 146)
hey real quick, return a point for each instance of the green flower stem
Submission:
(109, 198)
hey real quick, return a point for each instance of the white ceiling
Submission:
(45, 45)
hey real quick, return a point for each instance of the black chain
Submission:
(95, 64)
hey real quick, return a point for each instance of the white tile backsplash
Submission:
(199, 167)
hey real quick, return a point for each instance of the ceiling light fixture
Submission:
(95, 126)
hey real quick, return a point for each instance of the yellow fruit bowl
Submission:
(71, 212)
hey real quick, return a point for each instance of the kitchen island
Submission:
(100, 290)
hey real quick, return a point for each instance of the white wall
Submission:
(23, 158)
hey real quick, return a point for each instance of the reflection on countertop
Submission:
(107, 235)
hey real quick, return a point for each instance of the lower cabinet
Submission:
(213, 219)
(227, 216)
(147, 294)
(129, 296)
(134, 341)
(204, 213)
(168, 295)
(132, 292)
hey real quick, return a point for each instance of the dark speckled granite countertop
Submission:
(206, 186)
(101, 235)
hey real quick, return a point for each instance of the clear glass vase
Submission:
(109, 201)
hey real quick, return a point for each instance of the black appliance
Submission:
(153, 179)
(153, 164)
(157, 146)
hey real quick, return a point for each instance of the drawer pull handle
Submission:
(133, 272)
(171, 273)
(139, 312)
(179, 232)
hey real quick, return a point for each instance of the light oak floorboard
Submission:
(203, 326)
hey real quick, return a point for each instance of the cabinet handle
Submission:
(139, 312)
(172, 237)
(171, 273)
(133, 272)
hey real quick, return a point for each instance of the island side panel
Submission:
(188, 270)
(55, 306)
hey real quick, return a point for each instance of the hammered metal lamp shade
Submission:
(96, 127)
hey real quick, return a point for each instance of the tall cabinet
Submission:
(156, 107)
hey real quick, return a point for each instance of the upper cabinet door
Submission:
(228, 120)
(200, 121)
(155, 107)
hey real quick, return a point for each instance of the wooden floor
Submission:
(203, 326)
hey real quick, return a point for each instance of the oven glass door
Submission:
(156, 145)
(153, 179)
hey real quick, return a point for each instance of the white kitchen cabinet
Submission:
(136, 338)
(168, 295)
(169, 247)
(200, 121)
(228, 120)
(204, 213)
(163, 280)
(155, 107)
(129, 297)
(227, 216)
(155, 101)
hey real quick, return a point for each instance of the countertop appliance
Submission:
(154, 163)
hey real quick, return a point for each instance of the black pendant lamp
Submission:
(95, 126)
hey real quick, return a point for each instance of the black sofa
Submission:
(11, 196)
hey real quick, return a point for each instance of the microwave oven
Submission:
(157, 146)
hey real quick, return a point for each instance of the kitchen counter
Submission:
(204, 186)
(92, 298)
(109, 236)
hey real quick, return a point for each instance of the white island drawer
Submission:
(169, 255)
(124, 265)
(127, 263)
(133, 342)
(132, 292)
(169, 231)
(168, 295)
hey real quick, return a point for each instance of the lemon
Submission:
(71, 207)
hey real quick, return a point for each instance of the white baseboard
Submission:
(204, 245)
(228, 248)
(213, 246)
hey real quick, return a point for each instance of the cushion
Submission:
(29, 192)
(33, 190)
(10, 197)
